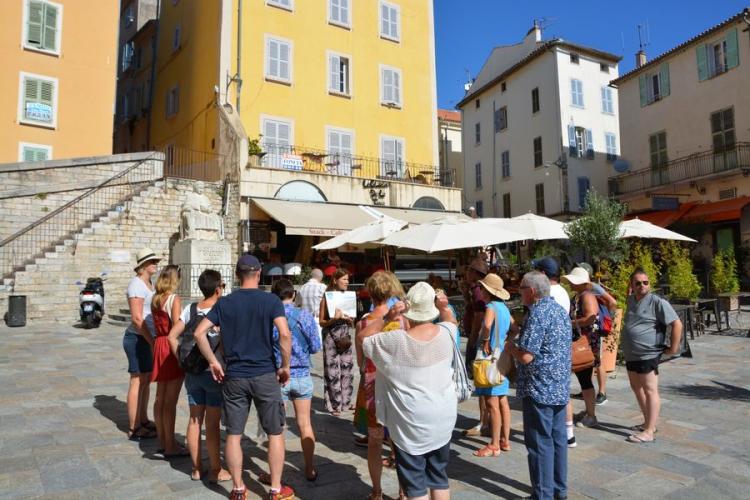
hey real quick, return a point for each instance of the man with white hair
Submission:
(311, 293)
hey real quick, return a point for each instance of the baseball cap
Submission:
(250, 261)
(547, 265)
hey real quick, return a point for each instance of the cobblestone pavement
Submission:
(63, 422)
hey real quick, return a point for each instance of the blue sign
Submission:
(665, 203)
(291, 162)
(39, 112)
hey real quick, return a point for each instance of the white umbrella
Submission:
(450, 233)
(535, 227)
(369, 233)
(636, 228)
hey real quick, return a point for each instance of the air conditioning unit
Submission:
(728, 194)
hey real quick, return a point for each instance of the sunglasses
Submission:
(639, 283)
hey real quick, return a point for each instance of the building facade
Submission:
(540, 128)
(449, 147)
(57, 87)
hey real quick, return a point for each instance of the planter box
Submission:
(729, 302)
(611, 343)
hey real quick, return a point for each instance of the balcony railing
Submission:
(314, 160)
(683, 169)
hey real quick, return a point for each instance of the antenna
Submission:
(545, 22)
(642, 42)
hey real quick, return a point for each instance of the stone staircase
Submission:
(109, 245)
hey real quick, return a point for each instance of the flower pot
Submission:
(611, 343)
(729, 302)
(254, 160)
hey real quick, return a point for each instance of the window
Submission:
(718, 56)
(340, 148)
(392, 156)
(390, 21)
(535, 100)
(128, 50)
(338, 12)
(607, 103)
(282, 4)
(390, 86)
(574, 59)
(173, 101)
(34, 152)
(723, 139)
(502, 87)
(611, 143)
(277, 139)
(580, 142)
(38, 100)
(604, 68)
(583, 188)
(506, 205)
(176, 37)
(339, 74)
(129, 17)
(658, 147)
(654, 86)
(501, 119)
(538, 157)
(43, 25)
(479, 207)
(478, 176)
(576, 92)
(278, 59)
(505, 163)
(539, 192)
(477, 133)
(476, 104)
(428, 203)
(138, 58)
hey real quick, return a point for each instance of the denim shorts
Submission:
(419, 473)
(203, 390)
(140, 357)
(298, 388)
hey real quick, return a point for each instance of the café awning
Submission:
(718, 211)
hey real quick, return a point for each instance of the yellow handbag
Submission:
(486, 372)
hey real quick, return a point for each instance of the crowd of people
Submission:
(254, 347)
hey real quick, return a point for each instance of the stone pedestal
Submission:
(195, 256)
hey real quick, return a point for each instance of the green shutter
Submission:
(46, 92)
(664, 80)
(644, 91)
(702, 61)
(38, 91)
(733, 50)
(34, 28)
(49, 40)
(34, 154)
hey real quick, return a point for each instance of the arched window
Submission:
(428, 203)
(300, 191)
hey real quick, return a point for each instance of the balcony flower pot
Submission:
(611, 343)
(254, 160)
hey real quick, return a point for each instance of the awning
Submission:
(663, 218)
(330, 219)
(718, 211)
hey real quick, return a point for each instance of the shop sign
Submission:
(665, 203)
(291, 162)
(38, 111)
(376, 190)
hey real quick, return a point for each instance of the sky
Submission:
(467, 30)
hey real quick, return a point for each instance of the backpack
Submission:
(189, 355)
(603, 318)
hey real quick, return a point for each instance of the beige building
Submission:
(685, 125)
(57, 87)
(449, 147)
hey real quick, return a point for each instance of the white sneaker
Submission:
(572, 442)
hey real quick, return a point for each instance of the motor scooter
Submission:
(91, 301)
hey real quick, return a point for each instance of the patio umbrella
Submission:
(636, 228)
(451, 233)
(535, 227)
(370, 233)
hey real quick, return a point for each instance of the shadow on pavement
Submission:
(714, 392)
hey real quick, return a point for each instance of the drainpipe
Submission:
(239, 55)
(564, 173)
(494, 161)
(153, 76)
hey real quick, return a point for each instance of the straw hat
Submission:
(494, 284)
(143, 256)
(578, 276)
(421, 299)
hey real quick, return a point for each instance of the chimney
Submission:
(534, 35)
(640, 58)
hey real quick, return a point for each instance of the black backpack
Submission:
(190, 357)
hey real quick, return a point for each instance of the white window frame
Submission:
(267, 61)
(21, 88)
(573, 93)
(402, 141)
(347, 25)
(608, 101)
(279, 119)
(278, 4)
(344, 167)
(397, 8)
(58, 30)
(24, 145)
(713, 68)
(397, 104)
(329, 86)
(610, 137)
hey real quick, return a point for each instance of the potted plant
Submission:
(683, 284)
(255, 152)
(724, 280)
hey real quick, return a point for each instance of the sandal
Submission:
(504, 445)
(150, 425)
(264, 478)
(487, 451)
(219, 477)
(389, 463)
(640, 439)
(640, 427)
(314, 476)
(375, 495)
(196, 475)
(141, 433)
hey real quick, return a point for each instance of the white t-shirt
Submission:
(558, 292)
(138, 289)
(185, 315)
(414, 392)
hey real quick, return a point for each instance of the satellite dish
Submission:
(621, 165)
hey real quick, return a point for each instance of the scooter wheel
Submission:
(89, 321)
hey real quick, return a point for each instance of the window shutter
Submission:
(34, 28)
(396, 87)
(589, 144)
(702, 62)
(284, 61)
(572, 149)
(664, 80)
(733, 52)
(335, 65)
(334, 143)
(642, 87)
(387, 85)
(384, 23)
(29, 154)
(284, 136)
(344, 11)
(50, 28)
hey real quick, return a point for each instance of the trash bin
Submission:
(16, 315)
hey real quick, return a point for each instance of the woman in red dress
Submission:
(165, 310)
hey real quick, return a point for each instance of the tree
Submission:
(597, 232)
(724, 272)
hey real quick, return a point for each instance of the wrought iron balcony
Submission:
(700, 165)
(305, 159)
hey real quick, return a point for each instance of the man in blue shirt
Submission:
(543, 357)
(246, 318)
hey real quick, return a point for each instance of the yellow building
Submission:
(57, 87)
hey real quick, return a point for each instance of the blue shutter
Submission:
(664, 80)
(572, 149)
(733, 52)
(589, 144)
(583, 188)
(644, 91)
(702, 62)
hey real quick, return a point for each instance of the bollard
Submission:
(16, 315)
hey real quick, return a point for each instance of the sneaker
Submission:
(238, 494)
(577, 396)
(601, 399)
(285, 493)
(588, 421)
(577, 417)
(572, 442)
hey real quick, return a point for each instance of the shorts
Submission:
(298, 388)
(643, 366)
(203, 390)
(264, 391)
(418, 473)
(138, 351)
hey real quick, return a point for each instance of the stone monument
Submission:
(202, 244)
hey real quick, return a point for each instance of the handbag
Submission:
(485, 369)
(342, 340)
(581, 355)
(461, 381)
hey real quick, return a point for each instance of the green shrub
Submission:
(639, 255)
(679, 271)
(724, 277)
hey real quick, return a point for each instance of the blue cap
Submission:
(547, 265)
(250, 261)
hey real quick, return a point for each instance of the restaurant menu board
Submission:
(346, 301)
